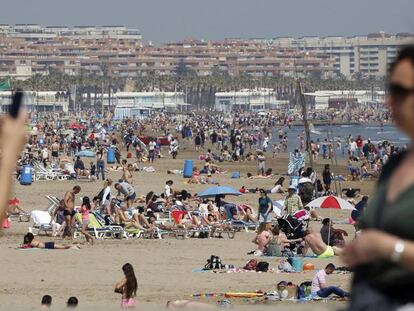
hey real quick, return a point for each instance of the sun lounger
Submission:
(53, 203)
(239, 224)
(41, 222)
(98, 230)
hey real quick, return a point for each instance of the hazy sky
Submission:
(166, 20)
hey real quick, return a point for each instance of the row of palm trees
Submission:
(199, 90)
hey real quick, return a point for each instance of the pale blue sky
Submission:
(164, 20)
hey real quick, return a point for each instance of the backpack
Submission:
(272, 249)
(251, 265)
(306, 192)
(262, 266)
(213, 263)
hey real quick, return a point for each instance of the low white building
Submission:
(249, 100)
(38, 101)
(140, 104)
(340, 99)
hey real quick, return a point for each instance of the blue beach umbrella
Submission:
(218, 190)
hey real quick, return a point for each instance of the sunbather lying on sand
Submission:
(30, 242)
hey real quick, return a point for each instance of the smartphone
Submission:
(17, 103)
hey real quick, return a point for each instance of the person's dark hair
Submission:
(28, 238)
(72, 302)
(276, 230)
(46, 300)
(364, 198)
(86, 201)
(77, 188)
(330, 266)
(280, 181)
(326, 221)
(261, 190)
(169, 182)
(249, 175)
(406, 53)
(131, 280)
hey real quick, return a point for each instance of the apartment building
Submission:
(117, 51)
(369, 55)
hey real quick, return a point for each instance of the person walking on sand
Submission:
(69, 213)
(127, 287)
(85, 211)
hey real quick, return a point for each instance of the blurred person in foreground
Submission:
(12, 138)
(383, 254)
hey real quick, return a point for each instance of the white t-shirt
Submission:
(318, 280)
(151, 145)
(167, 191)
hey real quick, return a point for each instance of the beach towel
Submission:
(296, 162)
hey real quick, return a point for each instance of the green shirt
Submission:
(396, 218)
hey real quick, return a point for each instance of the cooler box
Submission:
(110, 157)
(26, 176)
(188, 168)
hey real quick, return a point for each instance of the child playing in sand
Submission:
(127, 287)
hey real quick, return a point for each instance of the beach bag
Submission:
(306, 191)
(213, 263)
(129, 155)
(272, 249)
(6, 223)
(262, 266)
(251, 265)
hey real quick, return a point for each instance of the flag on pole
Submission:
(5, 85)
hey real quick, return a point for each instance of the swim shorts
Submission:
(50, 245)
(329, 252)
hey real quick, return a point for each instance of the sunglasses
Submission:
(399, 91)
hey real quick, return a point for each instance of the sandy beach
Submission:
(164, 268)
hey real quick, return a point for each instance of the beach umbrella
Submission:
(86, 154)
(331, 201)
(218, 190)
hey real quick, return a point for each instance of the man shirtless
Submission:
(319, 248)
(126, 172)
(69, 213)
(55, 151)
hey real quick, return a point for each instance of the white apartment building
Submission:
(369, 55)
(38, 33)
(249, 100)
